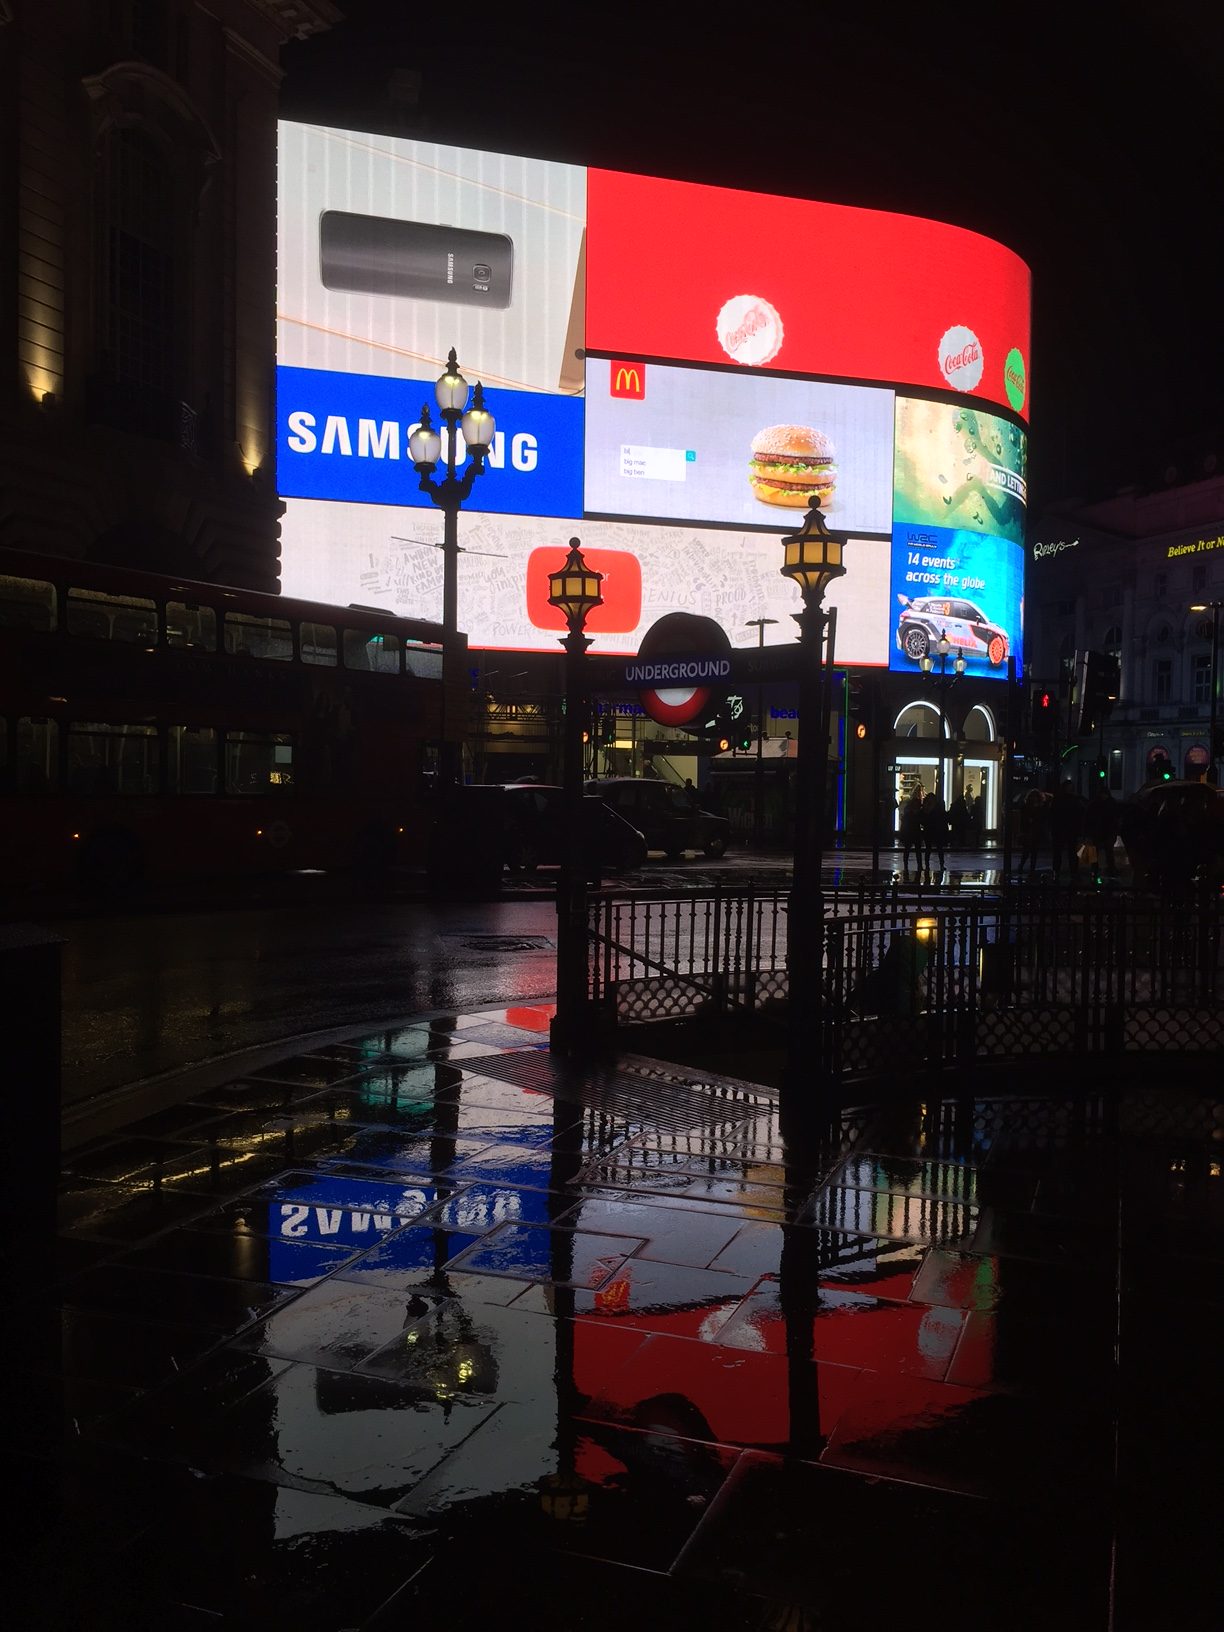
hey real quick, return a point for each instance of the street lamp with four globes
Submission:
(926, 663)
(425, 447)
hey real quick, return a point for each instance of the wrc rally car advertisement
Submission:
(959, 498)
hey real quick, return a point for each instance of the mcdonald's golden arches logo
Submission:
(628, 379)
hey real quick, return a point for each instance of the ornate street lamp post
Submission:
(574, 591)
(812, 559)
(927, 663)
(425, 446)
(758, 781)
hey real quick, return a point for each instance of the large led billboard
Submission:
(677, 371)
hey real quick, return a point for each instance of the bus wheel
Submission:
(110, 861)
(374, 849)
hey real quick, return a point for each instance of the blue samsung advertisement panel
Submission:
(307, 1222)
(345, 437)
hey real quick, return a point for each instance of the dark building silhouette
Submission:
(137, 287)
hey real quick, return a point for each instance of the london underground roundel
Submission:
(685, 651)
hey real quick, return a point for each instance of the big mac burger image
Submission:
(792, 465)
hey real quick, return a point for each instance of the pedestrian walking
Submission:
(1101, 829)
(958, 820)
(934, 829)
(976, 814)
(1066, 828)
(911, 828)
(1031, 826)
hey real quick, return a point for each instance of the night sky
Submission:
(1107, 177)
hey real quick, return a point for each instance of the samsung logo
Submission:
(388, 439)
(450, 269)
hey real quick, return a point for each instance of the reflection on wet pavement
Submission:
(408, 1330)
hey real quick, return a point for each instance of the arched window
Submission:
(136, 254)
(920, 719)
(979, 724)
(1112, 641)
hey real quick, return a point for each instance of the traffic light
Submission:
(1044, 713)
(1160, 766)
(861, 704)
(743, 738)
(1097, 677)
(717, 735)
(1102, 770)
(728, 731)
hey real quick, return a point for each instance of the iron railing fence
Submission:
(1022, 970)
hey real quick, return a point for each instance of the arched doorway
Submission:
(980, 772)
(920, 757)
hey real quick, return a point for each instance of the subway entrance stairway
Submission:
(423, 1329)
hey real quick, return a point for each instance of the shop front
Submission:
(953, 759)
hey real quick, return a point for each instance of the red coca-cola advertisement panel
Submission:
(712, 275)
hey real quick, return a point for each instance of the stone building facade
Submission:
(1124, 576)
(137, 284)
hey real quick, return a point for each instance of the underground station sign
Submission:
(682, 668)
(686, 666)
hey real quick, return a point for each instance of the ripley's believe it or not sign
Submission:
(677, 371)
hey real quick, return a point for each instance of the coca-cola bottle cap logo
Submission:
(749, 330)
(960, 358)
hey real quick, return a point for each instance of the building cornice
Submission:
(299, 19)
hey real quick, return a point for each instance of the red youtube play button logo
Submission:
(621, 589)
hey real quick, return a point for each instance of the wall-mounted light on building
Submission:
(49, 399)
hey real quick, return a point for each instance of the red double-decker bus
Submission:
(156, 728)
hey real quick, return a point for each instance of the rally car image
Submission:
(922, 624)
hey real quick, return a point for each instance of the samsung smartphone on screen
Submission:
(417, 260)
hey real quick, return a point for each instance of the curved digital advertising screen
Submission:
(677, 372)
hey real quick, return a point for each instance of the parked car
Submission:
(535, 827)
(1174, 834)
(923, 623)
(665, 815)
(478, 832)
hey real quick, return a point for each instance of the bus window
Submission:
(36, 756)
(258, 763)
(112, 617)
(423, 661)
(318, 644)
(192, 755)
(191, 625)
(375, 654)
(26, 603)
(121, 759)
(247, 636)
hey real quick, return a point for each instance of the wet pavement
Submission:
(421, 1329)
(155, 993)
